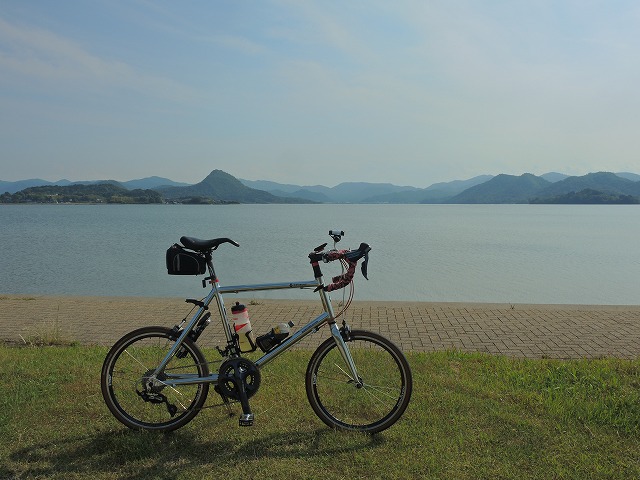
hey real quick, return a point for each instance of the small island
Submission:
(78, 193)
(589, 196)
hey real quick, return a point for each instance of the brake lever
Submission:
(320, 248)
(365, 249)
(363, 267)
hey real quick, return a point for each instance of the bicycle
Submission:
(157, 378)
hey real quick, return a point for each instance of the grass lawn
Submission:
(471, 416)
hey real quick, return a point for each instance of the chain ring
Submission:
(249, 374)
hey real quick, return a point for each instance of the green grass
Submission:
(471, 416)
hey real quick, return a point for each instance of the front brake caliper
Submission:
(345, 331)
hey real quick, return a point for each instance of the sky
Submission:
(410, 92)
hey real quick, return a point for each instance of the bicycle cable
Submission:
(347, 304)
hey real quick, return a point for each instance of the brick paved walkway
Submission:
(535, 331)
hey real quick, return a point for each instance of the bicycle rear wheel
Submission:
(125, 381)
(371, 405)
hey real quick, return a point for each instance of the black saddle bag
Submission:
(181, 261)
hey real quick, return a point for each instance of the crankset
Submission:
(239, 379)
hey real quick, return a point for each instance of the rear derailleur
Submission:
(151, 388)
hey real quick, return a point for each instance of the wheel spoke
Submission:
(344, 372)
(136, 359)
(388, 392)
(335, 377)
(381, 400)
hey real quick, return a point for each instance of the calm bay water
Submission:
(466, 253)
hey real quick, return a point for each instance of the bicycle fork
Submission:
(341, 335)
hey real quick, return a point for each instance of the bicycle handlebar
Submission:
(350, 256)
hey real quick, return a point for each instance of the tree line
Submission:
(97, 193)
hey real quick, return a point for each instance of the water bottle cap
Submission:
(238, 308)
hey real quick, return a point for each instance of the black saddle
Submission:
(205, 245)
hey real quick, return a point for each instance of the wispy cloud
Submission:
(236, 43)
(32, 54)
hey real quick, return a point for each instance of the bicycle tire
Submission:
(138, 353)
(386, 384)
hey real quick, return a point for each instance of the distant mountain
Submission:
(442, 192)
(481, 189)
(404, 197)
(98, 182)
(347, 192)
(503, 189)
(605, 182)
(13, 187)
(269, 186)
(436, 193)
(357, 192)
(143, 183)
(554, 177)
(152, 183)
(601, 187)
(458, 186)
(316, 193)
(317, 197)
(222, 187)
(634, 177)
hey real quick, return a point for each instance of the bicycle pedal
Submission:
(246, 420)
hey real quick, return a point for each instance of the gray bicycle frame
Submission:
(327, 316)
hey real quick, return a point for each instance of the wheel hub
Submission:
(152, 383)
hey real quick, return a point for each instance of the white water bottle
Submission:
(283, 329)
(274, 337)
(242, 327)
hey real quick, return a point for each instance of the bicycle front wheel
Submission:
(143, 402)
(376, 400)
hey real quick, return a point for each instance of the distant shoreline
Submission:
(115, 204)
(600, 188)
